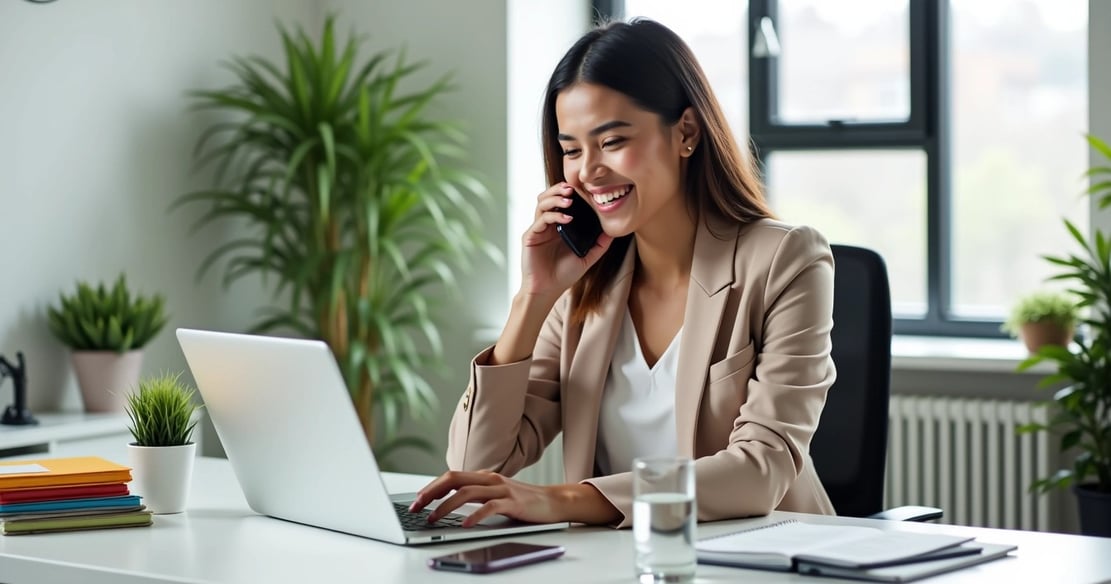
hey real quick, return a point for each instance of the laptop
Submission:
(291, 434)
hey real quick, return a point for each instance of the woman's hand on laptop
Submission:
(581, 503)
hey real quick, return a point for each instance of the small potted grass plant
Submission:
(162, 423)
(1044, 318)
(106, 328)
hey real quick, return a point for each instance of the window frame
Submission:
(927, 129)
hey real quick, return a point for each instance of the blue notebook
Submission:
(69, 504)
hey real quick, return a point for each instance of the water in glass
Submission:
(664, 530)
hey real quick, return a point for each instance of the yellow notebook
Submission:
(140, 518)
(49, 472)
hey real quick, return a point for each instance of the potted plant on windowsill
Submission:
(106, 330)
(1081, 412)
(161, 412)
(1043, 318)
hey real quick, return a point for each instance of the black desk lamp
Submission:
(16, 414)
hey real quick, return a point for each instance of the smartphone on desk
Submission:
(584, 229)
(495, 558)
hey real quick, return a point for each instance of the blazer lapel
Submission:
(586, 378)
(711, 276)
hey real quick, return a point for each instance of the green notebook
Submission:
(75, 523)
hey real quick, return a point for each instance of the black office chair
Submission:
(850, 446)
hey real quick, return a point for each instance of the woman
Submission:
(695, 326)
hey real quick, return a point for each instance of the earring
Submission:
(690, 148)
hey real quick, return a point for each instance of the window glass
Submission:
(716, 32)
(871, 198)
(843, 60)
(1019, 99)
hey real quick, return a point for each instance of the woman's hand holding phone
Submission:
(548, 265)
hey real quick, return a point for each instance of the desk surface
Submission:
(219, 539)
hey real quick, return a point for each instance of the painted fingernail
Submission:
(566, 200)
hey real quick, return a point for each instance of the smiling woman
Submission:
(695, 326)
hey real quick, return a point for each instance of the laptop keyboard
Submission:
(419, 520)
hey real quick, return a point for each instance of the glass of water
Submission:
(664, 518)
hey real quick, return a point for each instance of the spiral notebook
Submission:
(782, 545)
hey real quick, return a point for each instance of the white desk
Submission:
(220, 540)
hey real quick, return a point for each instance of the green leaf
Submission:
(1096, 170)
(1071, 439)
(1098, 187)
(1099, 145)
(1051, 380)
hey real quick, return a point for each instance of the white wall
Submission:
(95, 142)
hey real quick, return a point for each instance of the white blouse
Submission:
(637, 416)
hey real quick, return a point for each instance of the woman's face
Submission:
(622, 159)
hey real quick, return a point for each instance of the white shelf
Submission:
(54, 428)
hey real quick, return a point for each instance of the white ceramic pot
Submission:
(162, 475)
(106, 377)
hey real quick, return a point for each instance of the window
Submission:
(716, 42)
(944, 134)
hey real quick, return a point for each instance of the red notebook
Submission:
(40, 494)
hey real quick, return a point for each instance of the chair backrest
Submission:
(850, 446)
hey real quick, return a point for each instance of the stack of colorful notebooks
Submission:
(66, 494)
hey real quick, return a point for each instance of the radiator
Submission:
(964, 456)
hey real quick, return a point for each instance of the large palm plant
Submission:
(356, 206)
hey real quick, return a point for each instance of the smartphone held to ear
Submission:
(584, 228)
(495, 558)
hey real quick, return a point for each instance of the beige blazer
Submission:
(754, 368)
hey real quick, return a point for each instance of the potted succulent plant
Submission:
(106, 329)
(1043, 318)
(161, 411)
(1081, 411)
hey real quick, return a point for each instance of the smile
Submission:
(607, 198)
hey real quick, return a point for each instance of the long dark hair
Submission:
(650, 64)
